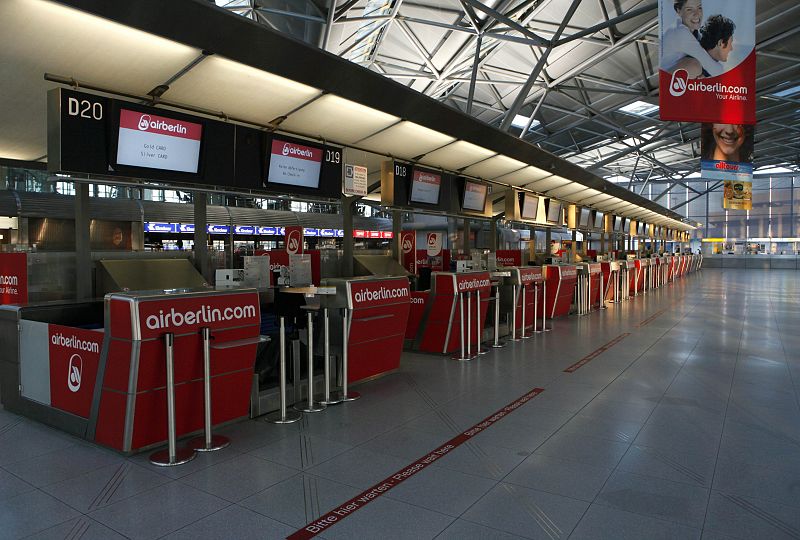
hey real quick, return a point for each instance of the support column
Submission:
(548, 237)
(573, 249)
(200, 201)
(397, 227)
(83, 263)
(465, 244)
(493, 235)
(347, 244)
(602, 243)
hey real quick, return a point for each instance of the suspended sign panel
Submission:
(707, 69)
(737, 195)
(727, 152)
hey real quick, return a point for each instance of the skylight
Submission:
(641, 108)
(521, 121)
(788, 92)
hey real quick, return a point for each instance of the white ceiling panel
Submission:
(524, 177)
(548, 184)
(405, 140)
(219, 84)
(456, 156)
(495, 167)
(333, 118)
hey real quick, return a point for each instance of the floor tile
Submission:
(744, 518)
(779, 484)
(300, 499)
(233, 522)
(28, 439)
(300, 451)
(359, 468)
(526, 512)
(83, 528)
(12, 486)
(159, 511)
(442, 490)
(654, 497)
(588, 450)
(603, 522)
(481, 459)
(32, 512)
(466, 530)
(692, 469)
(105, 486)
(63, 464)
(567, 478)
(238, 478)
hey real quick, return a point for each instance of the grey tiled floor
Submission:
(688, 428)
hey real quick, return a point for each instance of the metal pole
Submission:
(209, 442)
(311, 405)
(469, 324)
(602, 288)
(536, 309)
(478, 325)
(497, 344)
(514, 315)
(172, 455)
(347, 395)
(283, 416)
(589, 291)
(545, 328)
(524, 307)
(462, 355)
(328, 398)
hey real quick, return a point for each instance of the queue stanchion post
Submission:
(524, 312)
(208, 442)
(589, 292)
(603, 290)
(347, 395)
(545, 328)
(311, 406)
(462, 351)
(536, 309)
(172, 455)
(283, 416)
(329, 397)
(469, 325)
(515, 300)
(478, 326)
(497, 344)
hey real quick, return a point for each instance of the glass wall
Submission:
(772, 227)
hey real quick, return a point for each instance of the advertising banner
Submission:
(13, 278)
(727, 152)
(434, 244)
(737, 195)
(74, 357)
(408, 248)
(707, 63)
(294, 240)
(355, 180)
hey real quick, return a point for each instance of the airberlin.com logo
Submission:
(299, 151)
(679, 82)
(293, 242)
(384, 293)
(146, 123)
(407, 245)
(74, 373)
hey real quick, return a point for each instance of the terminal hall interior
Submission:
(468, 269)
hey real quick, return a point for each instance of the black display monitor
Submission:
(618, 224)
(156, 141)
(474, 199)
(426, 186)
(599, 217)
(585, 220)
(293, 163)
(529, 206)
(554, 212)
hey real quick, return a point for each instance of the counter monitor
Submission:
(530, 206)
(474, 196)
(425, 187)
(554, 212)
(158, 142)
(294, 164)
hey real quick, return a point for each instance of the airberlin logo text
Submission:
(725, 166)
(73, 342)
(204, 315)
(146, 123)
(680, 84)
(299, 151)
(473, 284)
(384, 293)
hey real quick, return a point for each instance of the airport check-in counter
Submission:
(559, 288)
(523, 287)
(611, 276)
(642, 274)
(376, 311)
(587, 288)
(97, 369)
(454, 297)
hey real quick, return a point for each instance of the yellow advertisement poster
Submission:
(737, 195)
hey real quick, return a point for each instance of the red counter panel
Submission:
(560, 282)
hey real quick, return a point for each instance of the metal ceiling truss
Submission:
(575, 112)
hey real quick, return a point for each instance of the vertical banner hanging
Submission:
(707, 68)
(727, 154)
(434, 244)
(294, 240)
(408, 247)
(737, 195)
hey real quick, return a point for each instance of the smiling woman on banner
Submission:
(682, 41)
(727, 142)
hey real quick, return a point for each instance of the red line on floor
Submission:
(594, 354)
(651, 318)
(359, 501)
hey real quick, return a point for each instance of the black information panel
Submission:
(302, 167)
(423, 188)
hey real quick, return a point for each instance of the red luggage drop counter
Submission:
(379, 309)
(560, 287)
(641, 273)
(631, 266)
(607, 268)
(595, 274)
(528, 277)
(670, 268)
(132, 408)
(440, 329)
